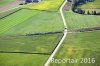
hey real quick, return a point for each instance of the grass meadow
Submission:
(17, 59)
(30, 21)
(31, 44)
(18, 49)
(9, 12)
(80, 45)
(91, 5)
(35, 49)
(77, 21)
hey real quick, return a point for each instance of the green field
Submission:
(32, 44)
(34, 50)
(77, 21)
(91, 5)
(5, 2)
(48, 5)
(30, 21)
(42, 44)
(19, 47)
(80, 45)
(13, 59)
(3, 14)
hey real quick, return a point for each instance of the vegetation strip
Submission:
(26, 53)
(39, 10)
(85, 29)
(42, 33)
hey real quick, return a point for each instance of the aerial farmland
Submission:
(49, 33)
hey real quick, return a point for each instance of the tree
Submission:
(28, 1)
(88, 12)
(83, 12)
(35, 1)
(94, 13)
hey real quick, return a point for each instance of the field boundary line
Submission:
(10, 14)
(48, 53)
(32, 34)
(63, 38)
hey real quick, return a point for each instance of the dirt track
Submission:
(67, 6)
(10, 5)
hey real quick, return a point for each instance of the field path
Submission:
(10, 5)
(63, 38)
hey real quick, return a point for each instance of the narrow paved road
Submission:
(65, 34)
(10, 5)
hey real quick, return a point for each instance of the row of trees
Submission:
(79, 2)
(80, 11)
(93, 13)
(29, 1)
